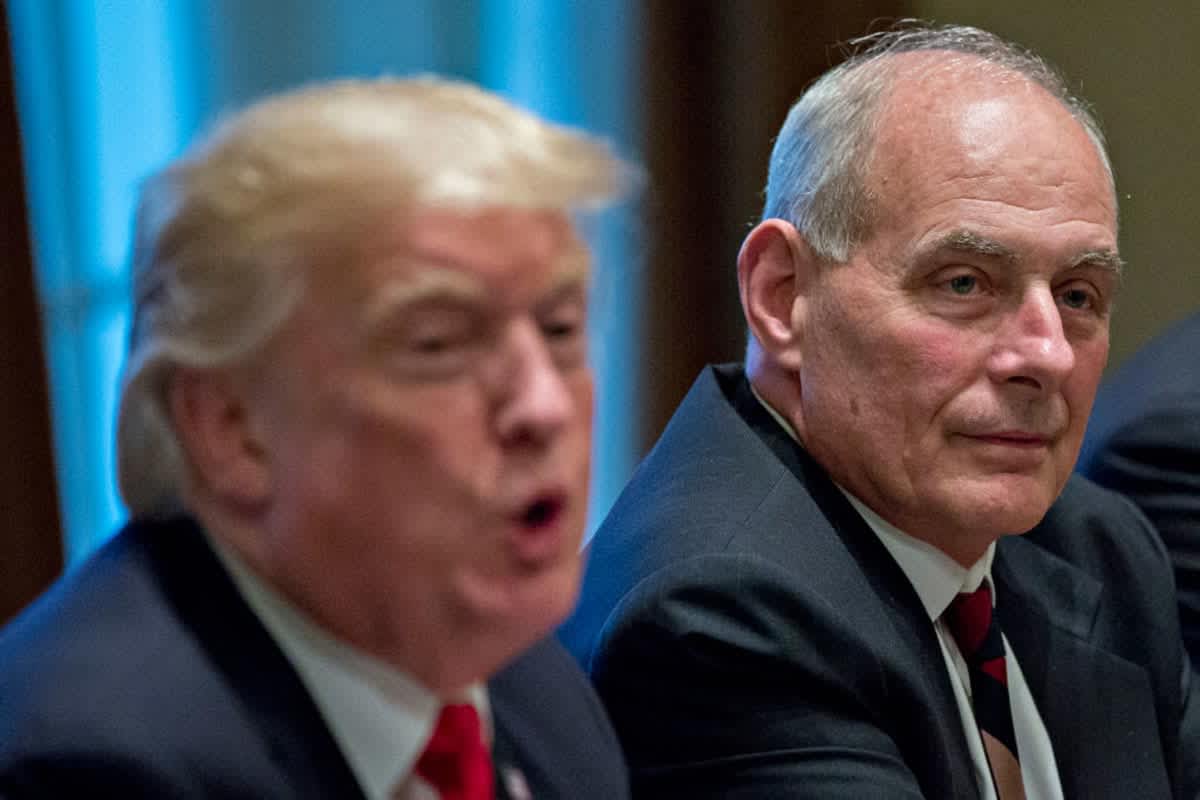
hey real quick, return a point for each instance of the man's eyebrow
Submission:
(966, 241)
(570, 273)
(434, 285)
(428, 285)
(971, 243)
(1104, 259)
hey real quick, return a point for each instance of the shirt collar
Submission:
(380, 717)
(936, 577)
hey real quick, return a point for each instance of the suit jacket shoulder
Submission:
(143, 674)
(552, 734)
(738, 642)
(1143, 440)
(1087, 601)
(753, 638)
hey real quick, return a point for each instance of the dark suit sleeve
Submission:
(1187, 756)
(48, 777)
(1154, 459)
(1189, 735)
(724, 681)
(1107, 536)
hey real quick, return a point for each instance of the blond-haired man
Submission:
(354, 439)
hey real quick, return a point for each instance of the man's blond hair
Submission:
(227, 236)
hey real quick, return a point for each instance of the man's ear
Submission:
(213, 421)
(776, 269)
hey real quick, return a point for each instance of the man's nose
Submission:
(1031, 347)
(533, 400)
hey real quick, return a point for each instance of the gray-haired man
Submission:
(813, 587)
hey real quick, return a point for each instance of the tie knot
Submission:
(969, 618)
(456, 761)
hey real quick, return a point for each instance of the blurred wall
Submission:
(30, 554)
(108, 92)
(718, 84)
(1136, 63)
(713, 84)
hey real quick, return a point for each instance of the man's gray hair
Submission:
(226, 236)
(817, 177)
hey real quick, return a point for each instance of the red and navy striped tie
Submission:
(977, 633)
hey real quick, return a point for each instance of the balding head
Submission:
(817, 178)
(936, 335)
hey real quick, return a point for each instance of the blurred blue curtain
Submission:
(109, 90)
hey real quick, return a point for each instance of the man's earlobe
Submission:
(221, 447)
(775, 270)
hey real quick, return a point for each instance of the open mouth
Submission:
(542, 512)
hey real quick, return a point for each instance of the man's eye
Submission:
(963, 284)
(564, 322)
(431, 346)
(1077, 298)
(557, 330)
(434, 343)
(564, 332)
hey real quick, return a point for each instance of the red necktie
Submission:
(456, 761)
(977, 633)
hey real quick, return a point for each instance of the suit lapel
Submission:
(916, 632)
(512, 783)
(250, 664)
(1098, 708)
(913, 630)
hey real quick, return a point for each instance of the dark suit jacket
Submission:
(143, 674)
(752, 638)
(1144, 441)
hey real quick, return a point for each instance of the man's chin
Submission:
(1009, 505)
(522, 605)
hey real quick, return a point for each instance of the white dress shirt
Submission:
(379, 717)
(937, 579)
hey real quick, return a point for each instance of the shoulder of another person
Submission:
(88, 774)
(1087, 515)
